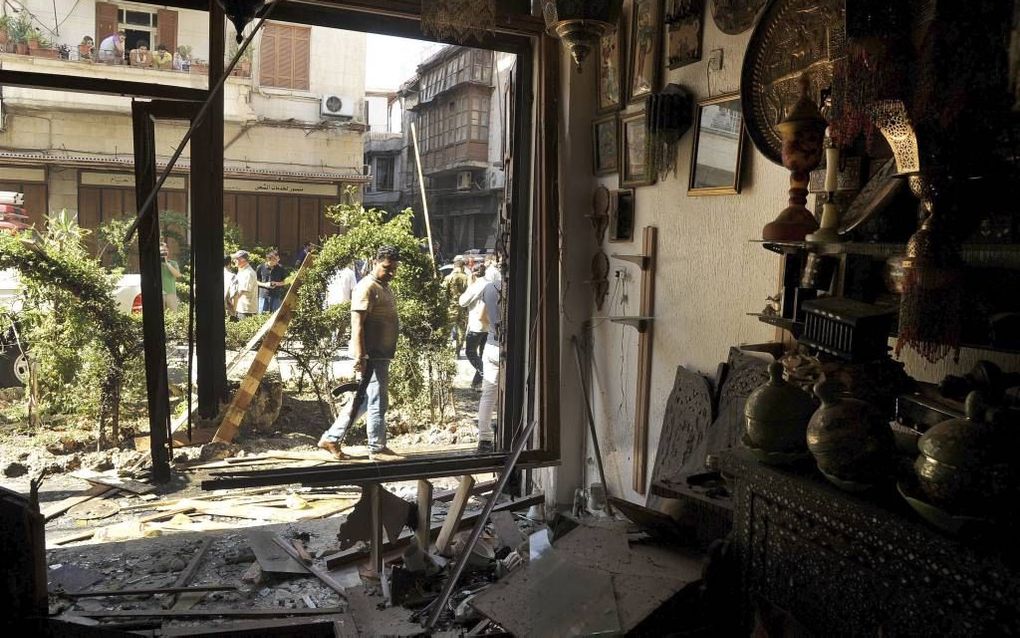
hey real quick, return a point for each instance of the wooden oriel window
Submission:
(285, 56)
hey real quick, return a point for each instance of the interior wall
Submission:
(709, 274)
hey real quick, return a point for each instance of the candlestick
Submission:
(831, 165)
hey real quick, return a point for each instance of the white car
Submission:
(13, 358)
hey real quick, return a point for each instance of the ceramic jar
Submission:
(776, 416)
(850, 439)
(964, 466)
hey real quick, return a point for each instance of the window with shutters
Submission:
(285, 56)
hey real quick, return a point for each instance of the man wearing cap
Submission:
(244, 288)
(374, 327)
(456, 283)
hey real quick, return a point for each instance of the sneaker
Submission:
(333, 449)
(383, 454)
(484, 447)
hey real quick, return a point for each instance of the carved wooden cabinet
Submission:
(850, 565)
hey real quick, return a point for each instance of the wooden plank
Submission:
(144, 591)
(376, 542)
(317, 571)
(455, 513)
(424, 513)
(206, 613)
(89, 533)
(272, 559)
(642, 397)
(56, 509)
(109, 480)
(263, 513)
(250, 385)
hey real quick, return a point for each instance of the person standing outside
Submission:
(341, 286)
(301, 254)
(374, 327)
(140, 55)
(456, 283)
(170, 272)
(244, 290)
(478, 322)
(489, 294)
(111, 49)
(228, 284)
(271, 287)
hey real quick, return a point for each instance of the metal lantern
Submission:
(580, 23)
(240, 13)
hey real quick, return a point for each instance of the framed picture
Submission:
(609, 83)
(643, 65)
(605, 145)
(718, 145)
(621, 216)
(635, 160)
(684, 22)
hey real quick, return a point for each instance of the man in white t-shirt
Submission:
(111, 49)
(341, 287)
(244, 293)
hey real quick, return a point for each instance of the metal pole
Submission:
(421, 186)
(591, 419)
(143, 210)
(476, 531)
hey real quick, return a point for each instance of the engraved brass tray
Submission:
(792, 37)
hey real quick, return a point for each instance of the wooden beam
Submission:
(147, 591)
(455, 513)
(376, 542)
(424, 514)
(642, 398)
(150, 265)
(99, 86)
(207, 613)
(54, 510)
(316, 571)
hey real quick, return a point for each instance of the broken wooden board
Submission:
(270, 342)
(271, 557)
(112, 480)
(54, 510)
(358, 526)
(100, 531)
(321, 509)
(316, 571)
(207, 613)
(460, 501)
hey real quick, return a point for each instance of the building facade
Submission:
(293, 121)
(456, 105)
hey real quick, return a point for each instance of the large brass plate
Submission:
(792, 37)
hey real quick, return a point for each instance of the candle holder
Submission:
(801, 131)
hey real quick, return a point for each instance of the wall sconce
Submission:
(580, 23)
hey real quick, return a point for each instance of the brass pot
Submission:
(776, 415)
(850, 439)
(964, 464)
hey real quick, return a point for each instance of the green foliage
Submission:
(83, 345)
(423, 366)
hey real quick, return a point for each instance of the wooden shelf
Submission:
(793, 327)
(643, 261)
(641, 323)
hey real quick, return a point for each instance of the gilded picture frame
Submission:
(718, 146)
(644, 59)
(605, 138)
(636, 167)
(609, 81)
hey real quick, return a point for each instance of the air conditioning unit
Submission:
(464, 181)
(337, 106)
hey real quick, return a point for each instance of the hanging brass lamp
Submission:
(580, 23)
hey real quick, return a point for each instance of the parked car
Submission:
(14, 359)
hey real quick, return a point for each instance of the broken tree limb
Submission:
(317, 571)
(455, 512)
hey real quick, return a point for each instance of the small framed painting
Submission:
(635, 160)
(606, 147)
(718, 145)
(643, 65)
(684, 22)
(609, 83)
(621, 216)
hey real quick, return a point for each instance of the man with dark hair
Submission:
(373, 343)
(271, 287)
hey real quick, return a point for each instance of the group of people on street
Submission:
(374, 328)
(249, 291)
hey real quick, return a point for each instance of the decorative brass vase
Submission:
(850, 439)
(775, 417)
(964, 466)
(802, 132)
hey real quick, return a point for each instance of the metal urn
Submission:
(850, 439)
(776, 417)
(964, 466)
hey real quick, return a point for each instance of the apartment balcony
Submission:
(236, 90)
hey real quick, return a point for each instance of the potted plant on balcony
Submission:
(18, 33)
(243, 68)
(200, 66)
(44, 47)
(6, 22)
(32, 37)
